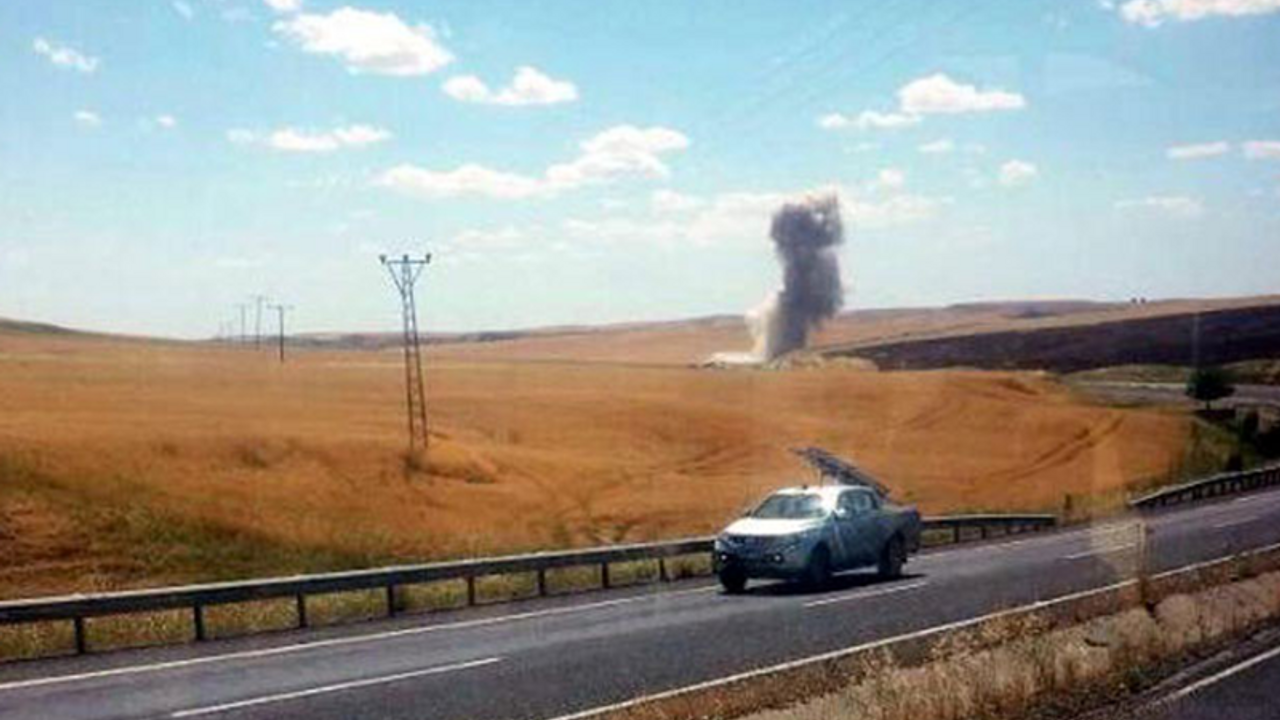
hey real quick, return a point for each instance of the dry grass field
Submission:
(129, 463)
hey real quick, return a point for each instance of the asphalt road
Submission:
(1245, 690)
(546, 658)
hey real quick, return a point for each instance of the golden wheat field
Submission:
(129, 463)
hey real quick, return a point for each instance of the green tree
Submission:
(1209, 384)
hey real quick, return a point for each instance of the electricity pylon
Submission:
(404, 272)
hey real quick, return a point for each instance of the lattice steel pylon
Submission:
(404, 272)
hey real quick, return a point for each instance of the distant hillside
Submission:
(891, 335)
(681, 342)
(1212, 337)
(23, 326)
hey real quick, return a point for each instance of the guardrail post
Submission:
(955, 534)
(391, 600)
(81, 643)
(301, 604)
(471, 590)
(604, 575)
(197, 619)
(982, 532)
(542, 581)
(662, 570)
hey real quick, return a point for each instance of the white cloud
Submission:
(868, 120)
(931, 95)
(618, 151)
(889, 179)
(939, 94)
(937, 147)
(294, 140)
(236, 14)
(745, 216)
(1017, 172)
(1262, 149)
(372, 42)
(468, 179)
(87, 118)
(621, 151)
(166, 121)
(1198, 151)
(284, 6)
(833, 121)
(669, 201)
(893, 211)
(1175, 205)
(723, 218)
(184, 9)
(529, 87)
(1152, 13)
(64, 56)
(507, 237)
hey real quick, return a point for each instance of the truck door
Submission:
(856, 517)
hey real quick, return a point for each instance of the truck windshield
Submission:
(791, 507)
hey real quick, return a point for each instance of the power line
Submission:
(404, 272)
(280, 311)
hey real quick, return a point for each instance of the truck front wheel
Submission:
(733, 580)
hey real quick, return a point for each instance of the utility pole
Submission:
(243, 307)
(280, 311)
(404, 272)
(258, 301)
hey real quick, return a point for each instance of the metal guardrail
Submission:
(78, 608)
(981, 527)
(1210, 487)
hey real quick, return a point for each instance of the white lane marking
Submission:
(866, 594)
(317, 644)
(1100, 551)
(1238, 521)
(336, 687)
(605, 710)
(1219, 677)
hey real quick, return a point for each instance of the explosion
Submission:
(805, 236)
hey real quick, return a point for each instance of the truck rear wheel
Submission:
(892, 557)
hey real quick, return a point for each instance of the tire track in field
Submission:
(1063, 453)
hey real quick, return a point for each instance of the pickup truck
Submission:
(807, 533)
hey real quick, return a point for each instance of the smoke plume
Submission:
(805, 236)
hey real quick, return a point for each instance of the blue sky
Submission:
(593, 161)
